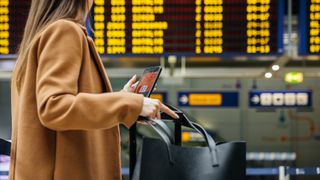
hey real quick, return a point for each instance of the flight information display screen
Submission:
(159, 27)
(309, 27)
(13, 16)
(195, 27)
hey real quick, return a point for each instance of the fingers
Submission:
(132, 80)
(145, 122)
(152, 108)
(133, 86)
(128, 87)
(157, 109)
(158, 115)
(161, 107)
(168, 111)
(142, 122)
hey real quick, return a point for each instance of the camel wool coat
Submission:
(65, 122)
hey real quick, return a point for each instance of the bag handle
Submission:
(210, 142)
(213, 149)
(185, 121)
(163, 136)
(165, 129)
(160, 124)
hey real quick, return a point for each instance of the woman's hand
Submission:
(152, 107)
(131, 85)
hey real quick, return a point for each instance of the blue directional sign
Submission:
(213, 99)
(280, 99)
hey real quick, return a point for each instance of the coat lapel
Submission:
(99, 64)
(97, 60)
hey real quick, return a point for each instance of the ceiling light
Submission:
(268, 75)
(275, 67)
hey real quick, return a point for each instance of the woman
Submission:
(65, 118)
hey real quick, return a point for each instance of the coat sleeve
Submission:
(60, 105)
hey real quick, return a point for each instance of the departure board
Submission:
(309, 29)
(188, 27)
(4, 27)
(13, 16)
(168, 27)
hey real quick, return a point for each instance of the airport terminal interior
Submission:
(245, 70)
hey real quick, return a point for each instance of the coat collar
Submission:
(84, 29)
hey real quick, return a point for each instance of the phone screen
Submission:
(148, 81)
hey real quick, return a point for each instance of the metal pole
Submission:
(283, 175)
(183, 66)
(132, 149)
(177, 134)
(243, 96)
(163, 62)
(290, 47)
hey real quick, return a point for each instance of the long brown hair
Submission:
(41, 14)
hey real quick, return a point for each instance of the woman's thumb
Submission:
(133, 79)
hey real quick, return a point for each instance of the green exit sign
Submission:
(294, 77)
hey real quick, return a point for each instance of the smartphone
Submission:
(148, 80)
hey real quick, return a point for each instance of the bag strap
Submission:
(160, 124)
(159, 131)
(185, 121)
(213, 149)
(164, 137)
(210, 142)
(165, 129)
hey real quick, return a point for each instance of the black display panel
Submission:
(160, 27)
(13, 16)
(309, 27)
(188, 27)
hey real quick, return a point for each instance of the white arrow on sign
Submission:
(184, 99)
(255, 99)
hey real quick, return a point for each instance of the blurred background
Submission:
(247, 70)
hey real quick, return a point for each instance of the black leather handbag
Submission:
(160, 159)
